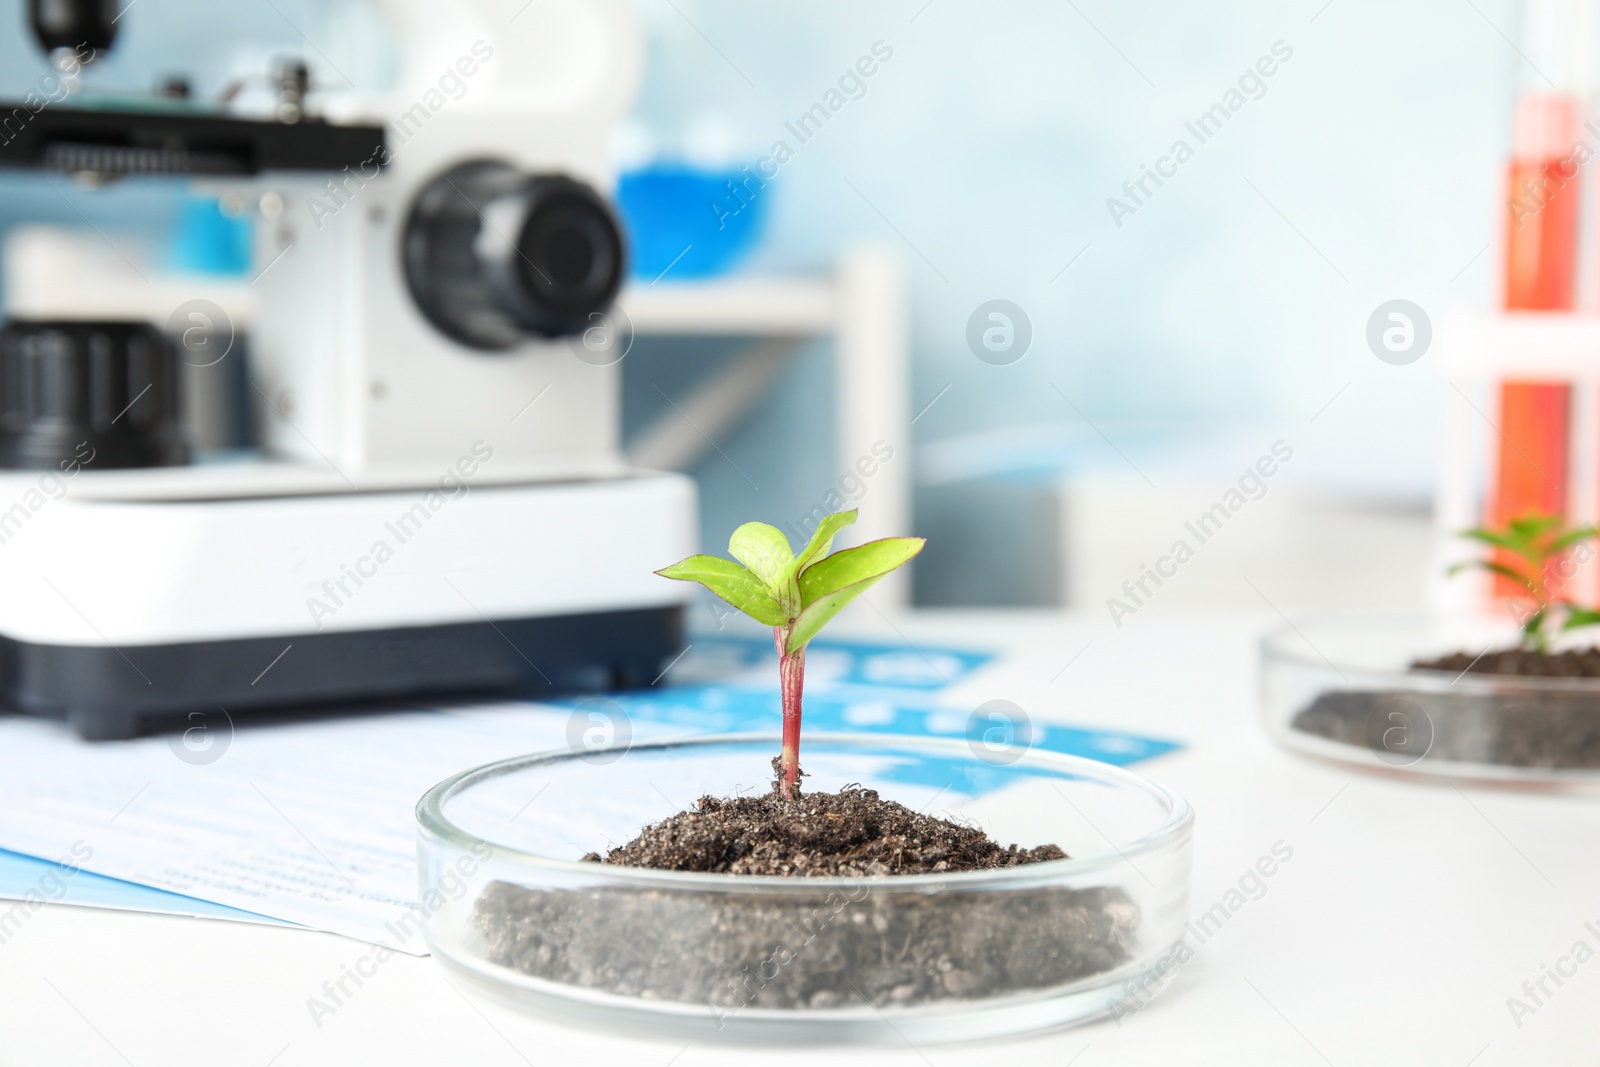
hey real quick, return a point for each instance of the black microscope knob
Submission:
(74, 24)
(494, 255)
(98, 394)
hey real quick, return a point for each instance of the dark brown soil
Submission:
(851, 832)
(1573, 663)
(864, 943)
(1554, 730)
(1557, 731)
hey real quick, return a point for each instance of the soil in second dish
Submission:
(1555, 730)
(1524, 662)
(865, 942)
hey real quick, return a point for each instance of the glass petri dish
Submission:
(512, 906)
(1344, 690)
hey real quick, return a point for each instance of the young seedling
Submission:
(1531, 546)
(795, 595)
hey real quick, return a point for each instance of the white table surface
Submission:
(1405, 919)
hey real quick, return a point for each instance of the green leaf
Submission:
(1532, 525)
(822, 541)
(1511, 543)
(830, 584)
(1533, 630)
(1572, 537)
(765, 551)
(1531, 627)
(733, 583)
(1577, 617)
(1496, 568)
(851, 565)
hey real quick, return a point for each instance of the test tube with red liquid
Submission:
(1541, 245)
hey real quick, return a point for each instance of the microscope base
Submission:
(101, 694)
(133, 605)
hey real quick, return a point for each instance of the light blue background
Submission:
(985, 151)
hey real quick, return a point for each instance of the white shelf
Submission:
(863, 307)
(765, 307)
(1520, 344)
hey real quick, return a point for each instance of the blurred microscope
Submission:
(435, 502)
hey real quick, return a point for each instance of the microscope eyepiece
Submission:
(569, 250)
(494, 255)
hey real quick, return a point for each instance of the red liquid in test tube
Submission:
(1540, 273)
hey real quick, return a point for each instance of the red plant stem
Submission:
(791, 679)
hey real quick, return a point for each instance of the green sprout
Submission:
(795, 595)
(1532, 544)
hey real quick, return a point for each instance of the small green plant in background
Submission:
(1532, 544)
(795, 595)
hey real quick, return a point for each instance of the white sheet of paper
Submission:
(311, 822)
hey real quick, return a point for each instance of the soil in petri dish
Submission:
(858, 941)
(851, 832)
(1523, 662)
(1553, 730)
